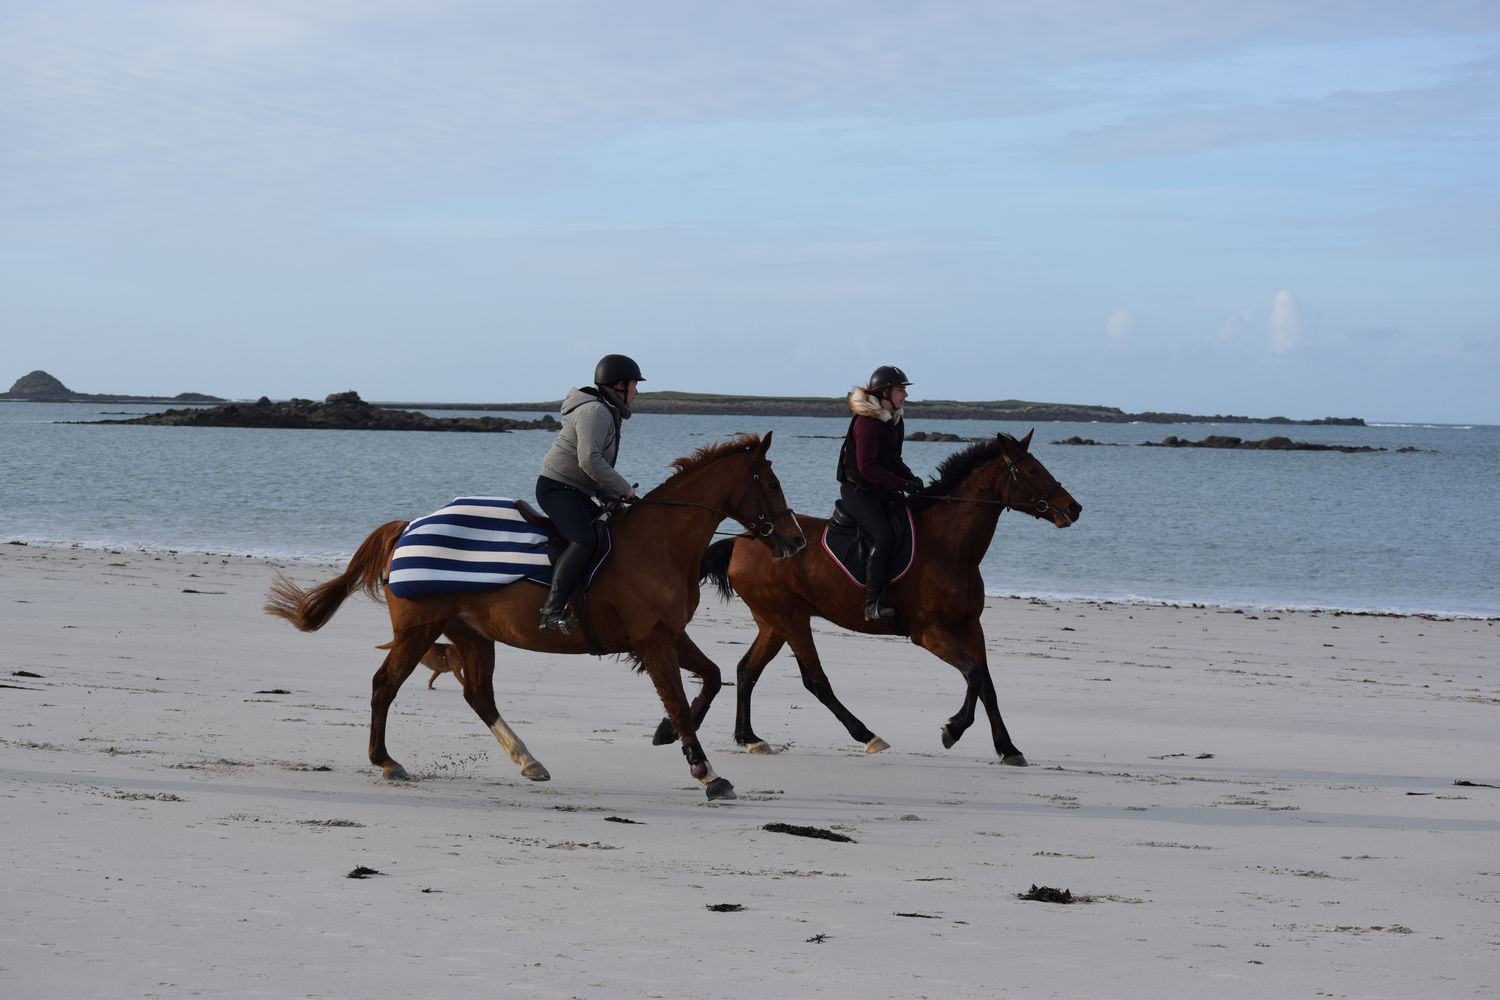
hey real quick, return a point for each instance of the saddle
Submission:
(850, 548)
(603, 543)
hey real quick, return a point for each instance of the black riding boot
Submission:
(566, 573)
(878, 606)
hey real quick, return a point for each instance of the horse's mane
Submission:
(709, 452)
(959, 466)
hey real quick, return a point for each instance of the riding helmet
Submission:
(887, 376)
(614, 368)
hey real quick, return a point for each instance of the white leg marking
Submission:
(530, 766)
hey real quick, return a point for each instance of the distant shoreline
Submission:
(707, 404)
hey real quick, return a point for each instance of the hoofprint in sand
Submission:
(1241, 804)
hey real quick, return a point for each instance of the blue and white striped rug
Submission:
(474, 543)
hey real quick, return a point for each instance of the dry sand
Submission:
(1256, 804)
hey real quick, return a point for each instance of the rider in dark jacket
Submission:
(580, 467)
(873, 477)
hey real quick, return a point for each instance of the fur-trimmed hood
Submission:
(863, 403)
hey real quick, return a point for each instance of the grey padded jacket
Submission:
(583, 456)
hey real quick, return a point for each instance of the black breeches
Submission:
(572, 510)
(873, 510)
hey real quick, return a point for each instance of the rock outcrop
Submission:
(40, 387)
(340, 411)
(1267, 444)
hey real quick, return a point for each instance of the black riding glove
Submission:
(912, 485)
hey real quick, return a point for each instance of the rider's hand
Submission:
(912, 485)
(630, 495)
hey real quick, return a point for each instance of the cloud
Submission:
(1286, 324)
(1120, 326)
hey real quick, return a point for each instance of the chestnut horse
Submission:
(639, 602)
(938, 601)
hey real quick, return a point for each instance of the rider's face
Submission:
(897, 396)
(629, 392)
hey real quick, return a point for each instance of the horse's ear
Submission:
(765, 442)
(1026, 441)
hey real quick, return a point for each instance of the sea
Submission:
(1410, 529)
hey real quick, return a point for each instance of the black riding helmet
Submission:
(886, 377)
(614, 368)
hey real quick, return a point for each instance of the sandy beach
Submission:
(1240, 803)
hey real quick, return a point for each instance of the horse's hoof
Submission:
(948, 739)
(665, 733)
(535, 771)
(1015, 760)
(761, 747)
(720, 788)
(876, 745)
(395, 772)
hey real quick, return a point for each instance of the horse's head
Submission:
(745, 490)
(1028, 487)
(761, 506)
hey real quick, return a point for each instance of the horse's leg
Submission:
(799, 637)
(477, 653)
(761, 652)
(658, 655)
(966, 652)
(695, 662)
(405, 653)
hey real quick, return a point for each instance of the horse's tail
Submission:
(715, 566)
(309, 610)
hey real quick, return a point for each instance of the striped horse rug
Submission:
(474, 543)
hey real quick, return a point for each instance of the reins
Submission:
(763, 524)
(1041, 504)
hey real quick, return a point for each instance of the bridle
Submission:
(1040, 505)
(762, 525)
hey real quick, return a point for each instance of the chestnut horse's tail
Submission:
(309, 610)
(715, 566)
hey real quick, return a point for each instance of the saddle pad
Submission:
(474, 543)
(848, 548)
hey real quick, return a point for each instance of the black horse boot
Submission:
(566, 573)
(878, 607)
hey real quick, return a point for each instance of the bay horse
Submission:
(939, 600)
(639, 602)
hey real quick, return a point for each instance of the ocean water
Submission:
(1411, 532)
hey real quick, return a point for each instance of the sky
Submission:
(1286, 208)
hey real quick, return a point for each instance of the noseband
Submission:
(1041, 505)
(764, 524)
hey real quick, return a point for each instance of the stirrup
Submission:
(880, 611)
(557, 621)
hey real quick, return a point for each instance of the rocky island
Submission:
(1266, 444)
(1277, 443)
(39, 387)
(340, 411)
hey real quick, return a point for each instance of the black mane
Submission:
(959, 466)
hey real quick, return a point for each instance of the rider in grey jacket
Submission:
(580, 468)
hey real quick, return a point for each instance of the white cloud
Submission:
(1286, 324)
(1120, 325)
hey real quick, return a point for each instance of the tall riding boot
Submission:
(566, 573)
(878, 606)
